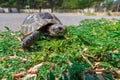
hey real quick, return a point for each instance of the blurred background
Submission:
(90, 7)
(70, 12)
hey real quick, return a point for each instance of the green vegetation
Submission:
(98, 40)
(62, 4)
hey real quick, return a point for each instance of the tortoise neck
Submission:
(45, 28)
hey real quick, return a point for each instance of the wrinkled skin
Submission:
(30, 40)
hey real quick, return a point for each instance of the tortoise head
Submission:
(57, 30)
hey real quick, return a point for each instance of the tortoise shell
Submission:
(37, 21)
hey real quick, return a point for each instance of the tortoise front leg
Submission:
(30, 39)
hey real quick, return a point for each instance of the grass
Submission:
(100, 37)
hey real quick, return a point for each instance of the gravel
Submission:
(14, 20)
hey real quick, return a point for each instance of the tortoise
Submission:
(35, 24)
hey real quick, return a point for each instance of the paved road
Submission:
(14, 20)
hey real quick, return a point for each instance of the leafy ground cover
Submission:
(90, 51)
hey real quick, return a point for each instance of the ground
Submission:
(14, 20)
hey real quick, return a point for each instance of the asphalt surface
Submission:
(14, 20)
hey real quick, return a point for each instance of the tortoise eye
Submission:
(60, 28)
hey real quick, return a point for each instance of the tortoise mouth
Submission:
(62, 32)
(59, 34)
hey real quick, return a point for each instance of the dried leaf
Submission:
(39, 65)
(70, 63)
(23, 59)
(30, 76)
(52, 67)
(33, 71)
(85, 58)
(19, 38)
(20, 74)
